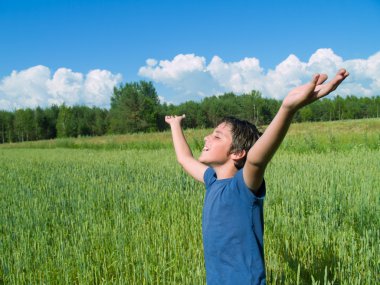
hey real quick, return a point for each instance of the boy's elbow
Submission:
(184, 160)
(257, 163)
(181, 161)
(258, 160)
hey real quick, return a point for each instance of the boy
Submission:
(232, 166)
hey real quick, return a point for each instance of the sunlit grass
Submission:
(321, 136)
(132, 216)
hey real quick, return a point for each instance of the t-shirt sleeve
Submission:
(209, 176)
(260, 194)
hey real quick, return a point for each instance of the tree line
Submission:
(135, 107)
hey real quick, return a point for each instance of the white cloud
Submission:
(182, 74)
(24, 88)
(179, 67)
(288, 74)
(36, 86)
(365, 75)
(64, 87)
(151, 62)
(324, 59)
(239, 76)
(98, 87)
(191, 78)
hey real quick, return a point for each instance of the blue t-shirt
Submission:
(232, 226)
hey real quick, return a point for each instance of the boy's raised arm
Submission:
(263, 150)
(183, 152)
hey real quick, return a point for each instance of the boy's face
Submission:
(217, 146)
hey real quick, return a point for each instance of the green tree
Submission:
(83, 118)
(306, 114)
(6, 126)
(51, 115)
(24, 126)
(41, 123)
(66, 125)
(251, 105)
(134, 108)
(100, 123)
(195, 116)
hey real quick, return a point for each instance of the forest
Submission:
(135, 107)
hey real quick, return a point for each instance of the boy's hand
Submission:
(182, 150)
(174, 119)
(312, 91)
(264, 149)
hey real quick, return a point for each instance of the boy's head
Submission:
(244, 136)
(231, 136)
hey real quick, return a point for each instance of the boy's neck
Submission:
(225, 171)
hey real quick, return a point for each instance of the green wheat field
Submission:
(119, 209)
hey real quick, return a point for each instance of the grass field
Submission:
(119, 210)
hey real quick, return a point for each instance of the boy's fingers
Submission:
(174, 116)
(335, 82)
(322, 78)
(315, 79)
(343, 72)
(312, 84)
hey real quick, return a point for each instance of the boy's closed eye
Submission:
(218, 135)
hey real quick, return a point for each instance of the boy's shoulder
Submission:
(210, 172)
(209, 176)
(233, 187)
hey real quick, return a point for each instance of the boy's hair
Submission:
(244, 136)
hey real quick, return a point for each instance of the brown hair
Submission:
(244, 136)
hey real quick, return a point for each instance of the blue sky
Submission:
(75, 51)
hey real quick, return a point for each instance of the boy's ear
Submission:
(237, 155)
